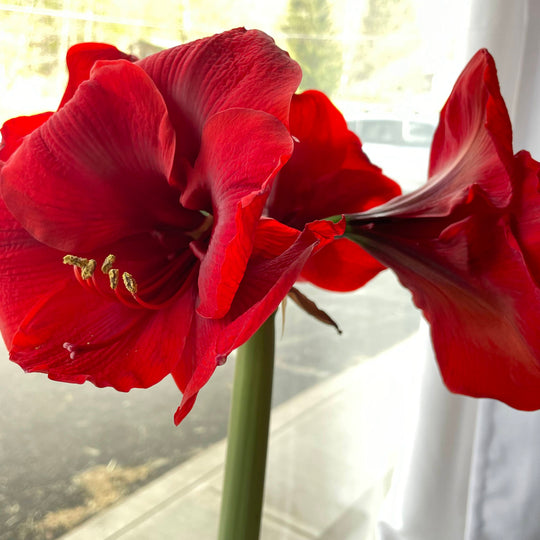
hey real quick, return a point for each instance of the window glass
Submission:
(69, 452)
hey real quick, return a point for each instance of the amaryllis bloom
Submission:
(467, 244)
(327, 175)
(132, 245)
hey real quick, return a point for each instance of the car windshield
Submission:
(393, 131)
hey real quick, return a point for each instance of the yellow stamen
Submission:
(130, 283)
(88, 269)
(73, 260)
(107, 264)
(113, 278)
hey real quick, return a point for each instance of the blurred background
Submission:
(68, 452)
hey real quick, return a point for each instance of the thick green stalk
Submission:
(243, 486)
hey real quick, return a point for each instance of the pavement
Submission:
(331, 455)
(67, 452)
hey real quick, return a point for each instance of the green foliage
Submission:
(384, 35)
(33, 44)
(55, 25)
(384, 60)
(385, 17)
(311, 42)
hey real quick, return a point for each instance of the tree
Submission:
(384, 61)
(384, 35)
(311, 42)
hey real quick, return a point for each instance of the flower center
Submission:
(154, 293)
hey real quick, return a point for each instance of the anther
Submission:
(129, 282)
(107, 264)
(73, 260)
(88, 269)
(113, 278)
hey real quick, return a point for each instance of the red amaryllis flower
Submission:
(328, 174)
(467, 245)
(149, 183)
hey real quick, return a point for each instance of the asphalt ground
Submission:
(69, 451)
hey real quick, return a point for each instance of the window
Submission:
(69, 451)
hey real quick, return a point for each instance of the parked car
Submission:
(399, 146)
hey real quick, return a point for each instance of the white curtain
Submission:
(472, 471)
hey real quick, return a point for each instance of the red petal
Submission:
(328, 173)
(28, 271)
(266, 282)
(42, 307)
(466, 251)
(474, 117)
(14, 130)
(476, 290)
(238, 68)
(341, 266)
(81, 58)
(241, 151)
(525, 208)
(104, 342)
(472, 146)
(272, 238)
(198, 363)
(97, 170)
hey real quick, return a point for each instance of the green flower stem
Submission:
(243, 486)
